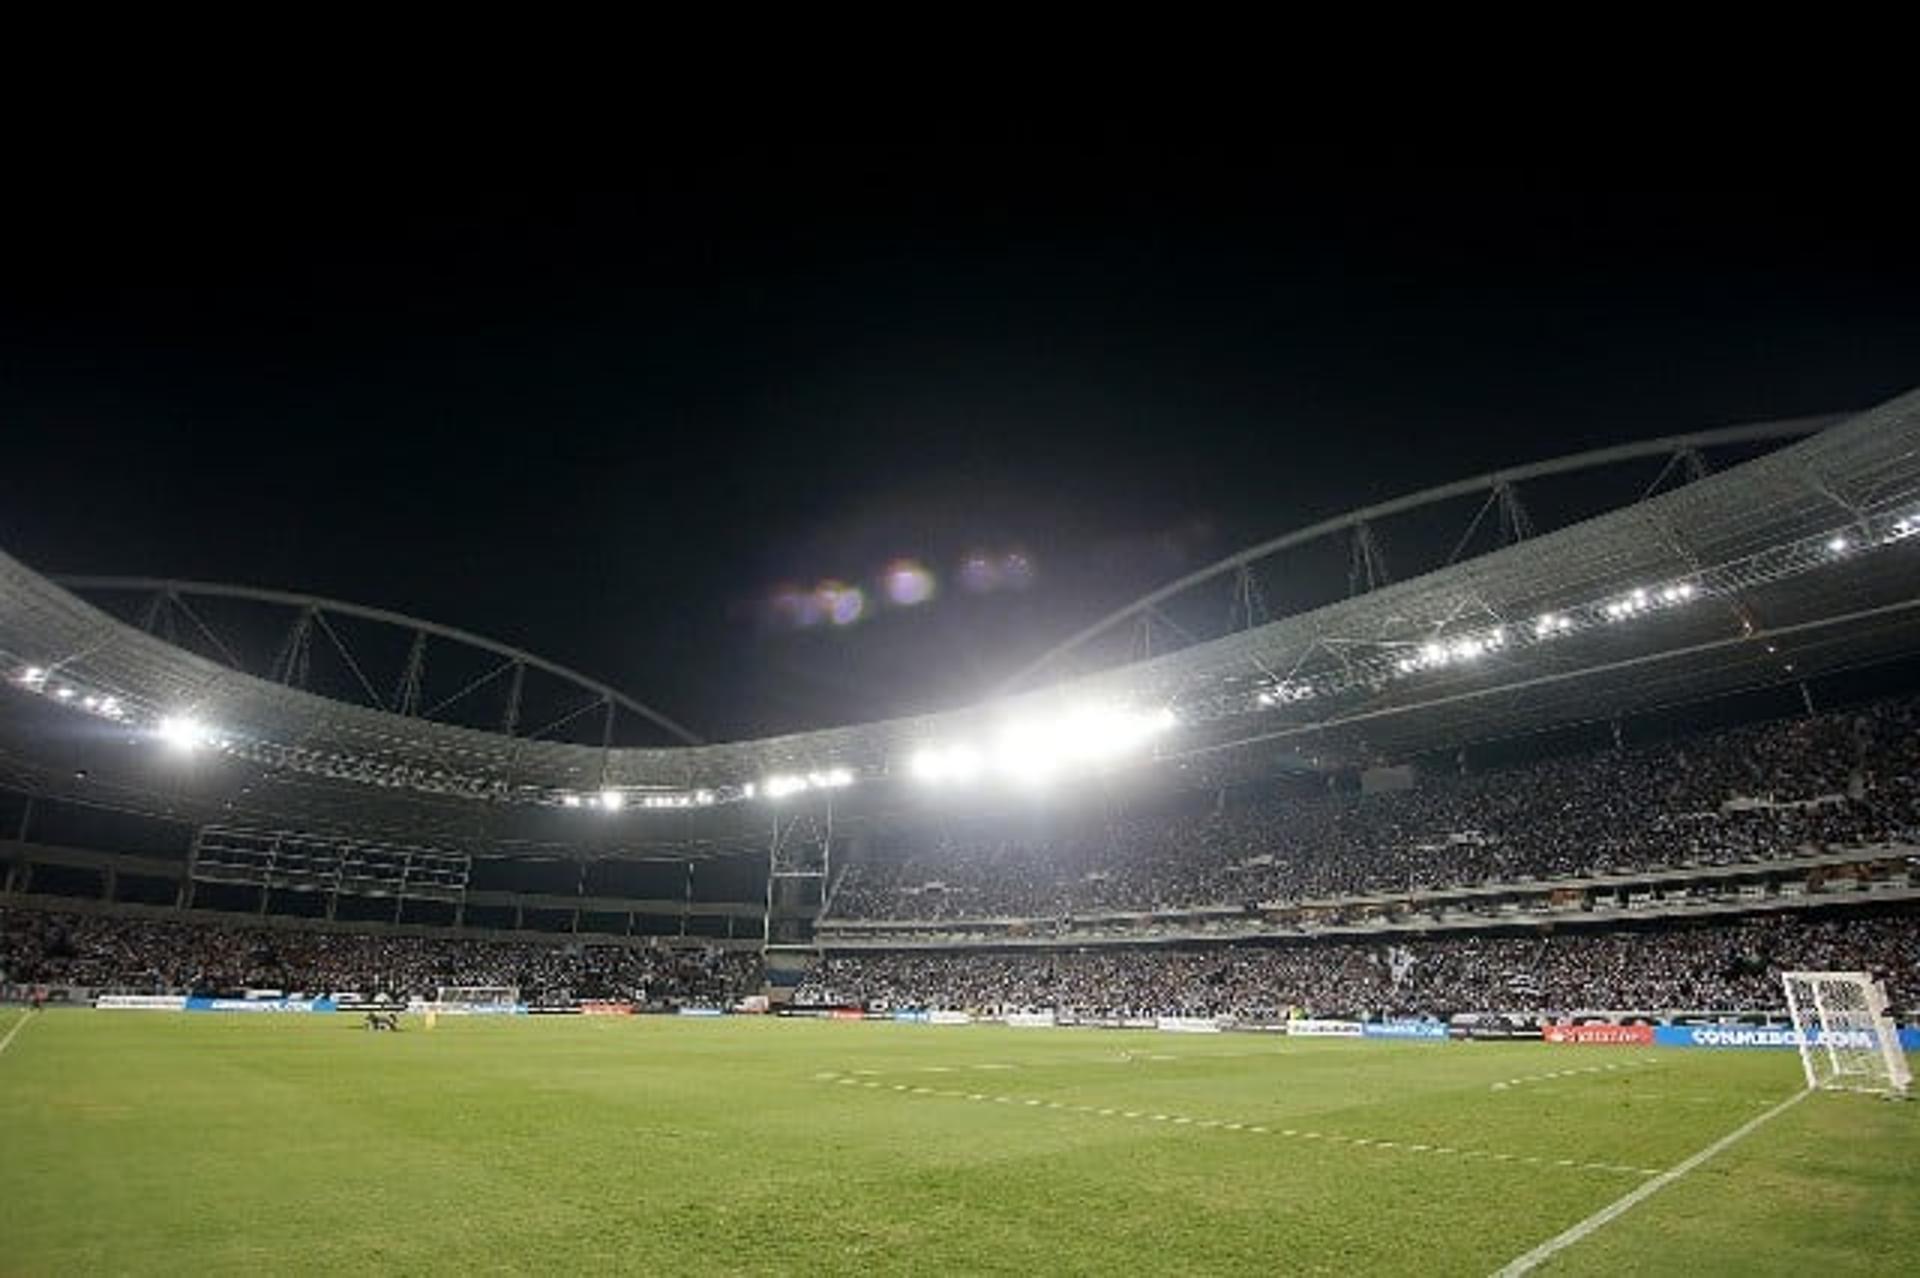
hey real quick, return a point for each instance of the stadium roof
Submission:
(1792, 564)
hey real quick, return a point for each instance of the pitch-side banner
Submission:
(1763, 1036)
(1029, 1020)
(141, 1002)
(1431, 1031)
(1617, 1035)
(1325, 1029)
(196, 1003)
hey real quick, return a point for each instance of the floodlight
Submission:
(33, 676)
(570, 800)
(1837, 545)
(963, 763)
(612, 800)
(65, 694)
(182, 732)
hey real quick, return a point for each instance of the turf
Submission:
(157, 1142)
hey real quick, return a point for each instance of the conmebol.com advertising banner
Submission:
(1767, 1036)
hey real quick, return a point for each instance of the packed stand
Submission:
(1725, 968)
(1759, 792)
(148, 956)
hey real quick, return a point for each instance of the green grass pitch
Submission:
(160, 1142)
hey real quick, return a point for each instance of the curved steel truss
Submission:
(1499, 518)
(493, 693)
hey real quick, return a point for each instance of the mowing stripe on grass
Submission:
(1620, 1206)
(1287, 1133)
(18, 1025)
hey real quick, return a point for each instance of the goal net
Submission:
(470, 999)
(1846, 1039)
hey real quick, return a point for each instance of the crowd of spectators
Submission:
(151, 956)
(1703, 968)
(1755, 792)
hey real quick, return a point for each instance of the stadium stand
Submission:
(111, 955)
(1724, 968)
(1752, 793)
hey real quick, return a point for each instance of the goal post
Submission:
(1846, 1039)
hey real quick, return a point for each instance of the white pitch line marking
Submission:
(26, 1015)
(1333, 1138)
(1531, 1260)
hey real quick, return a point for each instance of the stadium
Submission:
(1440, 923)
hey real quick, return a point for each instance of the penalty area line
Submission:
(1532, 1260)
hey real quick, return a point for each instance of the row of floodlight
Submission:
(777, 786)
(186, 732)
(1466, 648)
(39, 679)
(612, 799)
(1031, 751)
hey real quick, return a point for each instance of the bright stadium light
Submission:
(65, 694)
(612, 800)
(1838, 545)
(33, 676)
(569, 800)
(182, 732)
(963, 763)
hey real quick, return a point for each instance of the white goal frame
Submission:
(1846, 1039)
(473, 999)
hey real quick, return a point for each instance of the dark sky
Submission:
(608, 427)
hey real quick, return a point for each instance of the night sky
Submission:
(612, 427)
